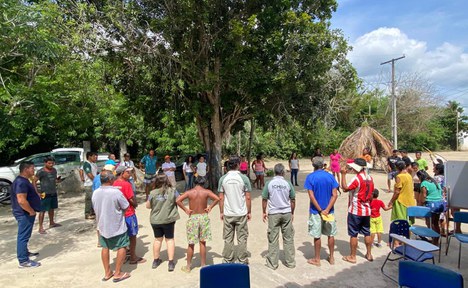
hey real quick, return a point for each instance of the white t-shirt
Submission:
(294, 163)
(166, 165)
(187, 168)
(201, 169)
(109, 204)
(127, 163)
(234, 185)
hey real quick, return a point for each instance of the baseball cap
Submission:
(358, 164)
(108, 167)
(122, 169)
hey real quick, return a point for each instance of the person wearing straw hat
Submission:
(359, 211)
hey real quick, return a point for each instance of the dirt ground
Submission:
(70, 258)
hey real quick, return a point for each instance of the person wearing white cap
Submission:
(359, 211)
(97, 179)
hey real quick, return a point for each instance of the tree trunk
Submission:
(123, 148)
(239, 143)
(210, 133)
(249, 147)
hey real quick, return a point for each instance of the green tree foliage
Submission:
(183, 76)
(448, 120)
(38, 85)
(225, 62)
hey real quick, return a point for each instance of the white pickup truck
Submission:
(66, 161)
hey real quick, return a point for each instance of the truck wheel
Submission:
(4, 191)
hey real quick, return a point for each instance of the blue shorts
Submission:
(259, 173)
(392, 175)
(436, 207)
(358, 225)
(132, 225)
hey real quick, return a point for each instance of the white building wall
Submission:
(463, 141)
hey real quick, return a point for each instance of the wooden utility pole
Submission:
(394, 109)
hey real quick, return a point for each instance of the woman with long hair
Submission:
(294, 167)
(431, 196)
(259, 168)
(163, 215)
(187, 169)
(335, 158)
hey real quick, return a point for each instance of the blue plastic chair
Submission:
(420, 231)
(401, 227)
(424, 275)
(227, 275)
(459, 217)
(425, 212)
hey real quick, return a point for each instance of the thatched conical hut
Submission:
(367, 137)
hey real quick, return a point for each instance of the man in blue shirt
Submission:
(25, 202)
(149, 163)
(322, 188)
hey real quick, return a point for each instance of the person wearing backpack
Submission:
(359, 210)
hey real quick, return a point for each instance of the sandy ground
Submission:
(70, 258)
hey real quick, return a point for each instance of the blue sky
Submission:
(433, 35)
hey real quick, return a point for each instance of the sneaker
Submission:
(156, 263)
(378, 245)
(29, 264)
(171, 266)
(30, 254)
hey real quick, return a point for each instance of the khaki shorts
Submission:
(318, 227)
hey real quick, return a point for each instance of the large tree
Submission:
(222, 62)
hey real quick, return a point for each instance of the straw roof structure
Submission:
(367, 137)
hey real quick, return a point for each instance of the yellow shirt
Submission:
(405, 185)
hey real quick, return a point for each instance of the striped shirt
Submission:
(359, 185)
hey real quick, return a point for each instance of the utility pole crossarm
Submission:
(394, 109)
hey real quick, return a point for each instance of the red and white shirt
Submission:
(358, 184)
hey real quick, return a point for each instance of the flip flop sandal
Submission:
(107, 278)
(138, 261)
(124, 276)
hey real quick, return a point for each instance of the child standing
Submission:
(259, 167)
(376, 224)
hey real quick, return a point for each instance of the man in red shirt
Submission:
(122, 183)
(359, 211)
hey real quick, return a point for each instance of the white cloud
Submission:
(445, 66)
